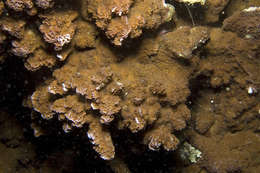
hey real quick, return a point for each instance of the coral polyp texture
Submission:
(93, 89)
(126, 19)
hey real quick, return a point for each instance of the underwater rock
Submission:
(242, 145)
(244, 23)
(184, 40)
(213, 10)
(240, 53)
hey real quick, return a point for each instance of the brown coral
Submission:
(22, 5)
(44, 3)
(101, 139)
(41, 102)
(57, 28)
(85, 35)
(1, 7)
(72, 108)
(39, 59)
(13, 27)
(122, 20)
(27, 45)
(89, 78)
(169, 121)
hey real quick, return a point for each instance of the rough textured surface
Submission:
(85, 35)
(1, 7)
(113, 95)
(57, 28)
(13, 27)
(214, 8)
(27, 45)
(15, 149)
(122, 20)
(39, 59)
(185, 40)
(245, 23)
(22, 5)
(98, 107)
(44, 3)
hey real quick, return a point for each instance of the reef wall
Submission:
(109, 68)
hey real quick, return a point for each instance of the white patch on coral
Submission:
(59, 56)
(64, 87)
(251, 90)
(91, 136)
(154, 144)
(251, 9)
(64, 39)
(104, 157)
(188, 152)
(202, 2)
(93, 106)
(119, 83)
(51, 90)
(137, 121)
(113, 9)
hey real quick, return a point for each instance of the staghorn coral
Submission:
(19, 5)
(41, 102)
(120, 20)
